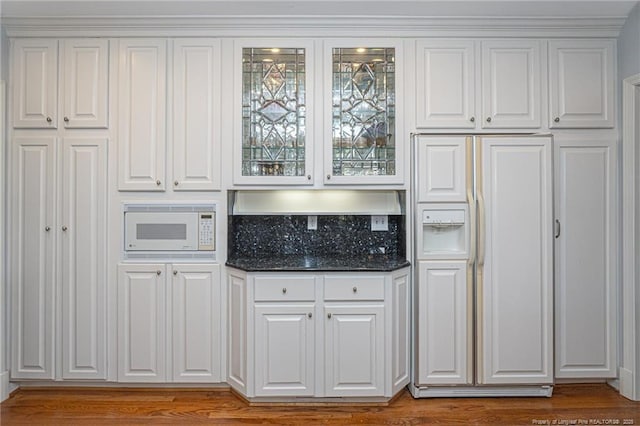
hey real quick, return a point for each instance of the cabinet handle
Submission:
(158, 272)
(472, 119)
(175, 272)
(488, 119)
(64, 228)
(308, 177)
(176, 183)
(557, 228)
(557, 119)
(66, 119)
(309, 314)
(328, 177)
(158, 182)
(49, 120)
(47, 228)
(355, 289)
(329, 315)
(284, 290)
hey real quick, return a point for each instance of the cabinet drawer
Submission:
(281, 288)
(354, 288)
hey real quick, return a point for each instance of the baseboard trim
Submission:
(5, 389)
(627, 384)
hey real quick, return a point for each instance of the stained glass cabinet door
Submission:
(362, 142)
(274, 112)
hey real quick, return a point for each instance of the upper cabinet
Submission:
(83, 99)
(194, 115)
(581, 83)
(509, 91)
(289, 111)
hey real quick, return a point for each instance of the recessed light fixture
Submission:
(275, 50)
(361, 50)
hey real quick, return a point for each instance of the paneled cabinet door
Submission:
(284, 349)
(83, 234)
(586, 256)
(515, 260)
(35, 83)
(581, 83)
(445, 84)
(442, 168)
(196, 114)
(511, 71)
(142, 112)
(142, 323)
(444, 324)
(33, 235)
(86, 78)
(354, 349)
(196, 322)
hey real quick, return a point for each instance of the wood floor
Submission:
(571, 404)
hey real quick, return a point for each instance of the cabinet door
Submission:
(141, 148)
(196, 114)
(445, 94)
(354, 350)
(35, 83)
(586, 256)
(400, 338)
(196, 322)
(33, 233)
(83, 235)
(86, 78)
(142, 323)
(444, 330)
(515, 260)
(511, 91)
(581, 83)
(442, 168)
(238, 376)
(284, 349)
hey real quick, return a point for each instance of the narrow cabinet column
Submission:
(83, 234)
(142, 112)
(196, 114)
(33, 233)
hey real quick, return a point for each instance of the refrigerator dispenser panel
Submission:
(444, 232)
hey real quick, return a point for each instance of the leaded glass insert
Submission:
(273, 112)
(363, 111)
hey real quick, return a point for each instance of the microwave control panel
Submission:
(206, 231)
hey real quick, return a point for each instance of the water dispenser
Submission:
(443, 231)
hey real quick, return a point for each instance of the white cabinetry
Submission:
(442, 170)
(169, 326)
(586, 256)
(194, 114)
(80, 232)
(581, 83)
(509, 90)
(84, 82)
(322, 335)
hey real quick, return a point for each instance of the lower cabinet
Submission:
(169, 325)
(318, 335)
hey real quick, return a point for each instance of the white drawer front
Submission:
(282, 288)
(354, 288)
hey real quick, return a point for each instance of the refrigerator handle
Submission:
(471, 202)
(481, 229)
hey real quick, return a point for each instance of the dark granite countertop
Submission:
(370, 263)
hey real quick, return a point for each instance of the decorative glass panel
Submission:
(273, 112)
(363, 111)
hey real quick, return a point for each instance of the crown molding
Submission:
(307, 26)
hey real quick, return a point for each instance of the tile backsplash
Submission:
(282, 235)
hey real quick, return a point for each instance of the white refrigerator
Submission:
(483, 265)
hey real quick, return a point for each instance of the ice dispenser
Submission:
(443, 233)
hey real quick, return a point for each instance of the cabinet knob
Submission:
(557, 119)
(158, 182)
(158, 272)
(308, 177)
(49, 120)
(309, 314)
(329, 315)
(66, 119)
(355, 289)
(176, 183)
(472, 119)
(284, 290)
(488, 119)
(64, 228)
(47, 228)
(328, 177)
(175, 272)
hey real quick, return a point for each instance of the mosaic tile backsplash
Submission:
(344, 236)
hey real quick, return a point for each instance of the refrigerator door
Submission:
(514, 270)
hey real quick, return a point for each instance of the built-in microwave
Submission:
(169, 231)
